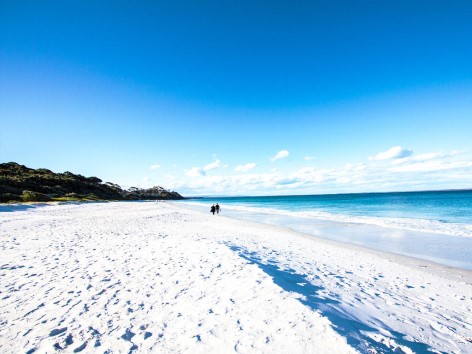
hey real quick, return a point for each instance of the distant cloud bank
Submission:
(397, 168)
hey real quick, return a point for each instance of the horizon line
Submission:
(323, 194)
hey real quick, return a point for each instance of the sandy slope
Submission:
(154, 277)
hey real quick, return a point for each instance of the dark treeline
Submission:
(19, 183)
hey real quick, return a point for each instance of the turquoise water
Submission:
(447, 206)
(435, 225)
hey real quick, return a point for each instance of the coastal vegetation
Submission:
(19, 183)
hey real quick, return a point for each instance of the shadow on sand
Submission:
(9, 208)
(344, 323)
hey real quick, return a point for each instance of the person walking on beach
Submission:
(217, 207)
(213, 208)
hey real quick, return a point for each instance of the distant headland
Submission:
(19, 183)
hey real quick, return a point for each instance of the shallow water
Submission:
(421, 238)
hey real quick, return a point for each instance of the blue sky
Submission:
(241, 97)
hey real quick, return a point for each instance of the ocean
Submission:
(433, 225)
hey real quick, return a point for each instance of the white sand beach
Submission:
(155, 277)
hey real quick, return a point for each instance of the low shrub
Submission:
(29, 196)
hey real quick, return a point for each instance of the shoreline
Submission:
(158, 276)
(450, 272)
(420, 245)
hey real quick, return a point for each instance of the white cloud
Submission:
(154, 167)
(430, 156)
(246, 167)
(355, 166)
(422, 157)
(395, 152)
(432, 165)
(195, 172)
(212, 165)
(307, 170)
(308, 158)
(457, 152)
(198, 172)
(280, 155)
